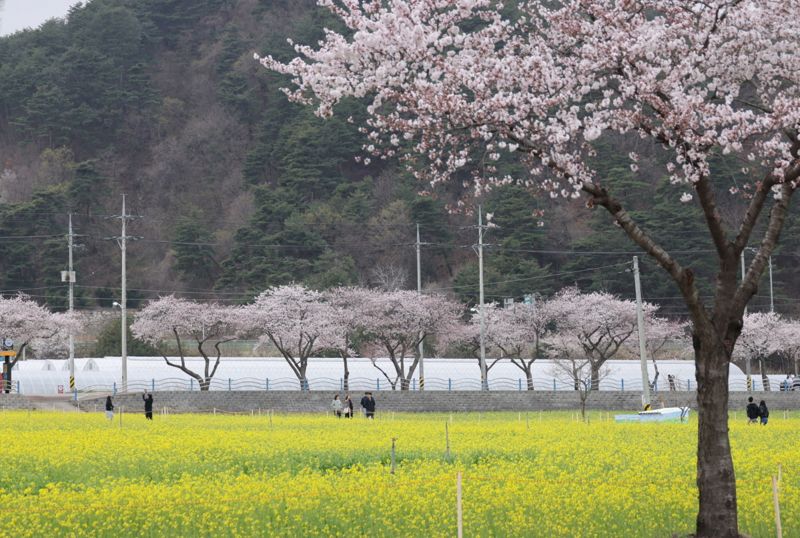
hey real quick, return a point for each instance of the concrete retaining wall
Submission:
(295, 401)
(14, 401)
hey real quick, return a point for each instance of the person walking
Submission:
(763, 412)
(336, 405)
(148, 406)
(348, 406)
(109, 408)
(752, 411)
(368, 403)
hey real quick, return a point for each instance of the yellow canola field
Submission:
(536, 474)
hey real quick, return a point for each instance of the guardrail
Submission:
(431, 384)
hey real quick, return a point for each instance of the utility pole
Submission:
(640, 325)
(122, 241)
(71, 279)
(419, 291)
(484, 374)
(771, 296)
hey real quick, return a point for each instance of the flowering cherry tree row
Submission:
(301, 323)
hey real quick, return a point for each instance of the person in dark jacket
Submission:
(348, 407)
(763, 412)
(752, 411)
(368, 403)
(148, 406)
(109, 408)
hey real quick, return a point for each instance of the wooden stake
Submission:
(393, 441)
(270, 418)
(780, 472)
(527, 421)
(459, 511)
(446, 441)
(778, 530)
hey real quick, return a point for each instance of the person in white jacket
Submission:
(336, 405)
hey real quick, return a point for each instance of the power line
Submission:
(532, 278)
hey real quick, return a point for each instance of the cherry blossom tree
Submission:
(182, 319)
(599, 322)
(759, 339)
(466, 337)
(518, 332)
(344, 329)
(294, 319)
(788, 334)
(455, 84)
(29, 324)
(398, 321)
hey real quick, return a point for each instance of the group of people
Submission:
(757, 412)
(148, 407)
(345, 407)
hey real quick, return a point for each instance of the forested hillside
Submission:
(238, 189)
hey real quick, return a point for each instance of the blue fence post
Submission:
(378, 383)
(554, 383)
(229, 383)
(267, 383)
(688, 384)
(413, 384)
(18, 392)
(74, 392)
(449, 384)
(622, 385)
(341, 384)
(519, 384)
(152, 385)
(191, 384)
(114, 388)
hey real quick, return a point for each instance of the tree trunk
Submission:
(346, 378)
(595, 376)
(205, 384)
(529, 376)
(764, 378)
(716, 481)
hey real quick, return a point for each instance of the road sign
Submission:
(8, 353)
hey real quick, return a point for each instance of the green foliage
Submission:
(86, 187)
(193, 255)
(511, 270)
(33, 256)
(109, 342)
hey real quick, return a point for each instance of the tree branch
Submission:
(708, 204)
(777, 217)
(683, 277)
(763, 190)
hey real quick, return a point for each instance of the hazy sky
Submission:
(20, 14)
